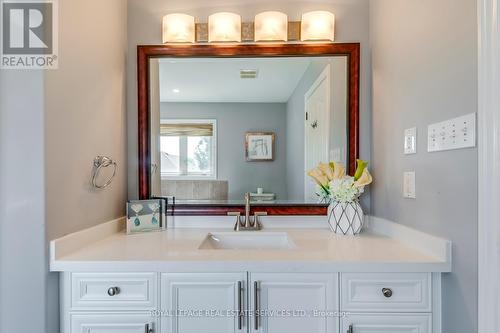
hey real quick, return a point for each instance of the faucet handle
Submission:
(238, 222)
(257, 222)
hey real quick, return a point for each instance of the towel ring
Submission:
(99, 163)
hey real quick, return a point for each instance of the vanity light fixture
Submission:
(178, 28)
(267, 26)
(271, 26)
(317, 26)
(224, 27)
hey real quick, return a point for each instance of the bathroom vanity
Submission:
(293, 279)
(268, 115)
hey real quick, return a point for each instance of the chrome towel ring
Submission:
(99, 163)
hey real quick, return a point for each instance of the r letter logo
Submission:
(29, 39)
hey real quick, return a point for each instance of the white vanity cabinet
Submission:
(112, 323)
(294, 302)
(114, 291)
(186, 298)
(247, 302)
(109, 302)
(385, 323)
(387, 302)
(261, 302)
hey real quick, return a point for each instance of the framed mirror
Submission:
(217, 121)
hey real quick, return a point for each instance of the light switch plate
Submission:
(409, 185)
(455, 133)
(410, 144)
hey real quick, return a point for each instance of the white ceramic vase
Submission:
(346, 218)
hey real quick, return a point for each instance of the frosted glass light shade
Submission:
(224, 27)
(317, 25)
(178, 28)
(271, 26)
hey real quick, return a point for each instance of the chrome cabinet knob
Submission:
(113, 291)
(387, 292)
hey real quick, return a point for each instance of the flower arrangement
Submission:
(333, 183)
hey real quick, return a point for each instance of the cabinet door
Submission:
(384, 323)
(293, 303)
(208, 303)
(112, 323)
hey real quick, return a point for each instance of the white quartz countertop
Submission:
(176, 250)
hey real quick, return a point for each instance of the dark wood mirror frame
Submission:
(147, 52)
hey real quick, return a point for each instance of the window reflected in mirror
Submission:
(188, 149)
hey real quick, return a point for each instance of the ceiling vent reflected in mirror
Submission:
(249, 73)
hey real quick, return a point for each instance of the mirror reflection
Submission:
(221, 127)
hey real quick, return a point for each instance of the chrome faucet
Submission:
(248, 224)
(247, 210)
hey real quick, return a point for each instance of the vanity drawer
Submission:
(386, 292)
(137, 291)
(387, 323)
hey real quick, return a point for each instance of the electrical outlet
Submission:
(409, 185)
(455, 133)
(410, 144)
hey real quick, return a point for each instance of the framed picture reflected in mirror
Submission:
(259, 146)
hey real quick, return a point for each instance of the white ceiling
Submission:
(218, 80)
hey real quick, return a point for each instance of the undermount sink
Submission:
(256, 240)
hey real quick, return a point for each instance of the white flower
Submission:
(343, 190)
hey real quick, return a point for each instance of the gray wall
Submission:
(23, 249)
(295, 119)
(424, 71)
(144, 27)
(52, 123)
(233, 121)
(85, 115)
